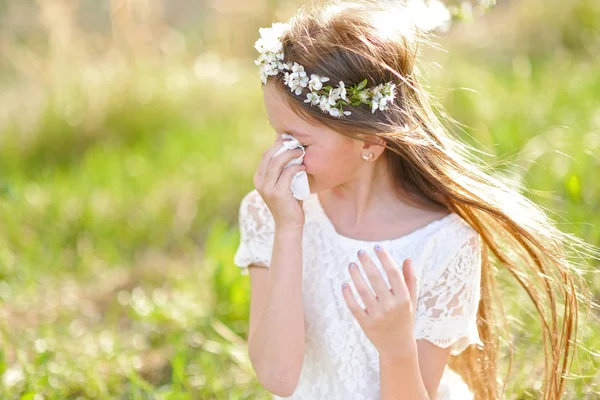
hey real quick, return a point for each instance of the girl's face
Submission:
(331, 159)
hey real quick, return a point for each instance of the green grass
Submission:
(119, 199)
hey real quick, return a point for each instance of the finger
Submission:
(265, 160)
(366, 294)
(284, 182)
(382, 291)
(355, 308)
(276, 166)
(394, 274)
(411, 280)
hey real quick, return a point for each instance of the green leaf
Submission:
(343, 102)
(356, 102)
(362, 85)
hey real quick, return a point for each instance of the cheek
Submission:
(309, 161)
(328, 163)
(316, 160)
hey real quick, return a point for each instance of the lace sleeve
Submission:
(256, 233)
(446, 313)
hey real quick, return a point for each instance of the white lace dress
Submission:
(340, 362)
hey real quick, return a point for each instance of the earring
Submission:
(369, 157)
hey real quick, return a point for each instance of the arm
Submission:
(276, 338)
(415, 376)
(446, 314)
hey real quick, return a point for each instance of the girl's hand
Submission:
(273, 182)
(389, 317)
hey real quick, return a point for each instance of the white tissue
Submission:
(299, 186)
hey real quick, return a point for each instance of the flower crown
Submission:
(327, 98)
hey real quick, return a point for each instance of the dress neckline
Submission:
(406, 236)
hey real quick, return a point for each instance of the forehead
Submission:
(282, 117)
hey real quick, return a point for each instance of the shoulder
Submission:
(450, 255)
(457, 231)
(254, 210)
(253, 201)
(448, 238)
(459, 242)
(252, 198)
(256, 232)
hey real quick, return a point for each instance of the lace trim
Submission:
(449, 298)
(257, 231)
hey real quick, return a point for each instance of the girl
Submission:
(379, 285)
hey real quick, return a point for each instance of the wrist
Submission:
(289, 230)
(399, 354)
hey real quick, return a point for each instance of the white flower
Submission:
(286, 77)
(363, 95)
(313, 98)
(388, 95)
(376, 96)
(268, 45)
(389, 89)
(279, 28)
(270, 38)
(377, 89)
(326, 106)
(334, 112)
(270, 61)
(268, 66)
(297, 68)
(342, 90)
(263, 75)
(316, 82)
(271, 49)
(334, 96)
(382, 95)
(323, 102)
(297, 79)
(374, 106)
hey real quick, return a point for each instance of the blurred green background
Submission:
(131, 129)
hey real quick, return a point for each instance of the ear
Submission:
(373, 144)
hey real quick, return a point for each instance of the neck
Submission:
(370, 196)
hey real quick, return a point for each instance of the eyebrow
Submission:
(293, 132)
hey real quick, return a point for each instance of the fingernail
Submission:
(361, 252)
(351, 265)
(344, 286)
(378, 247)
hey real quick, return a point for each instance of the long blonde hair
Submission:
(353, 40)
